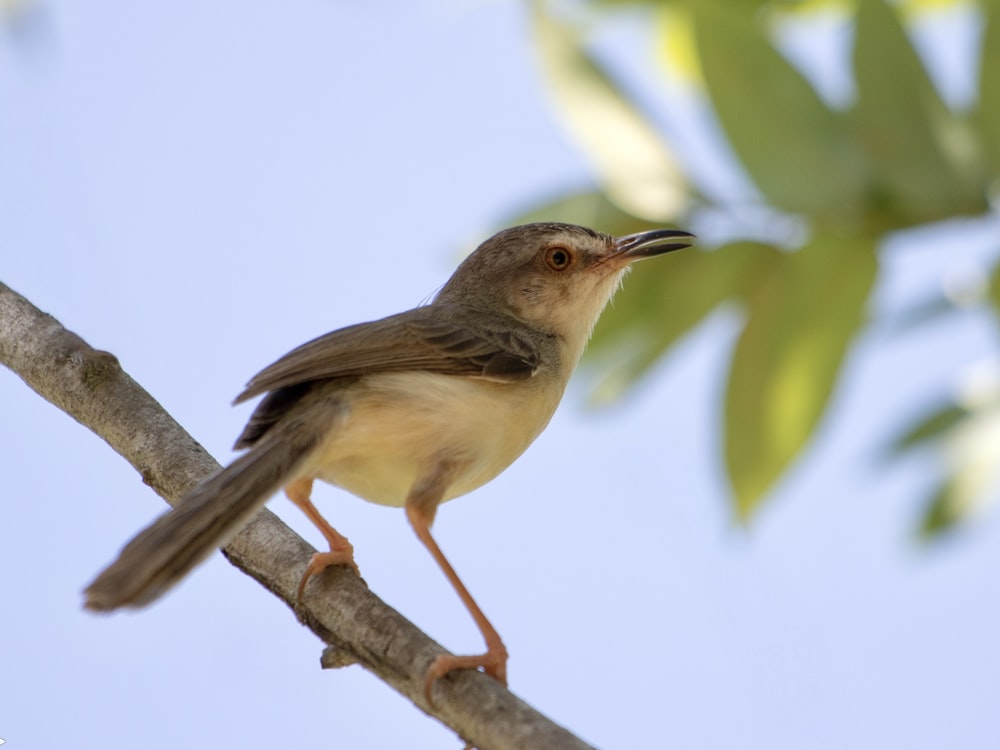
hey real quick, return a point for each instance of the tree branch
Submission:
(91, 387)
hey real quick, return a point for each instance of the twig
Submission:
(91, 387)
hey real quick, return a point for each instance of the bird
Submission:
(408, 411)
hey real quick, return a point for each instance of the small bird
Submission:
(407, 411)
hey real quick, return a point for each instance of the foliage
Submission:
(844, 176)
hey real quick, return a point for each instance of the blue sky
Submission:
(200, 187)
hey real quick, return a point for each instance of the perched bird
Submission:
(409, 411)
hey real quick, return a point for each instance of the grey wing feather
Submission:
(428, 338)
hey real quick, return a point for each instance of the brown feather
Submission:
(428, 339)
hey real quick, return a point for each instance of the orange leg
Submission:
(341, 551)
(494, 661)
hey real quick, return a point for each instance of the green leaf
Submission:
(661, 302)
(993, 292)
(988, 115)
(923, 156)
(942, 512)
(638, 170)
(971, 454)
(801, 319)
(794, 147)
(933, 426)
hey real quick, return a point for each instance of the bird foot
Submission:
(323, 560)
(493, 663)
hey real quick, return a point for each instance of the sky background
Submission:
(200, 187)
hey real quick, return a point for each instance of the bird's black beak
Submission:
(654, 242)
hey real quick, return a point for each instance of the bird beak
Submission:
(641, 245)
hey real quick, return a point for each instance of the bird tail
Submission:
(206, 518)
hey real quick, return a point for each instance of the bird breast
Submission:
(400, 426)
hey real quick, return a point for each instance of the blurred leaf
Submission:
(638, 170)
(743, 7)
(662, 301)
(795, 148)
(993, 292)
(988, 116)
(931, 427)
(616, 4)
(898, 158)
(674, 33)
(972, 456)
(923, 155)
(911, 7)
(942, 512)
(801, 320)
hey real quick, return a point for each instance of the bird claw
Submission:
(493, 663)
(323, 560)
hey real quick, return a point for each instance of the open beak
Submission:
(654, 242)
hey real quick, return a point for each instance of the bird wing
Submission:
(437, 338)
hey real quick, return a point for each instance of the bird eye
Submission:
(558, 258)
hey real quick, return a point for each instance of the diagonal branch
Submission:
(91, 387)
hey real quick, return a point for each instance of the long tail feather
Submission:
(213, 512)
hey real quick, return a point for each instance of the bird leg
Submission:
(341, 551)
(494, 662)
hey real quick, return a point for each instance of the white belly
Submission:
(401, 425)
